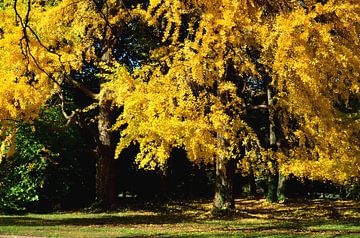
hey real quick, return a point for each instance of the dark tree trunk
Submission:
(106, 174)
(164, 183)
(224, 167)
(271, 195)
(276, 188)
(224, 197)
(281, 187)
(276, 181)
(273, 178)
(252, 184)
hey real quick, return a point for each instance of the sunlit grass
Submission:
(253, 218)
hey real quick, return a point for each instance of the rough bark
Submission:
(106, 179)
(224, 168)
(224, 198)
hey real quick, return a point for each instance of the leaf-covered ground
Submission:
(252, 218)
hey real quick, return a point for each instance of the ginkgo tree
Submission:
(50, 46)
(192, 96)
(191, 90)
(316, 69)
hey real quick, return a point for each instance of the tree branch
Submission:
(261, 106)
(82, 88)
(69, 117)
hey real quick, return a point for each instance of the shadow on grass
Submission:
(290, 226)
(310, 218)
(108, 220)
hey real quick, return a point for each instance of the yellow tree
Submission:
(314, 62)
(188, 96)
(45, 46)
(191, 95)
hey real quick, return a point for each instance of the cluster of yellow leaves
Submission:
(41, 44)
(20, 98)
(30, 67)
(163, 112)
(185, 96)
(189, 105)
(309, 49)
(314, 57)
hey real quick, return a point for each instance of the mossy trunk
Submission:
(281, 188)
(106, 174)
(276, 188)
(271, 195)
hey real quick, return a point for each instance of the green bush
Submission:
(353, 191)
(52, 167)
(24, 173)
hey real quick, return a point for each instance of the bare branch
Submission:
(69, 117)
(127, 10)
(261, 106)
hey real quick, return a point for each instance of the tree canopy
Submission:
(193, 93)
(192, 89)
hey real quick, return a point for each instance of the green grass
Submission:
(253, 218)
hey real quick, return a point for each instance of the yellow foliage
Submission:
(184, 96)
(311, 52)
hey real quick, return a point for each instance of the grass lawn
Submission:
(252, 218)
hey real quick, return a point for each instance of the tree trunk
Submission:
(273, 178)
(224, 171)
(164, 183)
(281, 186)
(224, 198)
(271, 195)
(252, 184)
(106, 179)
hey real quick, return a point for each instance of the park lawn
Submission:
(252, 218)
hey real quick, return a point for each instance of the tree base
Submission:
(101, 205)
(222, 212)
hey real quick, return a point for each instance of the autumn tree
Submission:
(190, 90)
(188, 97)
(318, 71)
(51, 49)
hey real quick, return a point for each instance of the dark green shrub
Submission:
(52, 167)
(24, 173)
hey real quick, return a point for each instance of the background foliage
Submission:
(49, 170)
